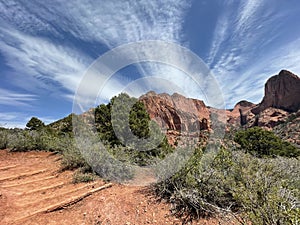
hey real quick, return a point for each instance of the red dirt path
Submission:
(30, 183)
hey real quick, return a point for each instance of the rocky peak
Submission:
(181, 116)
(282, 91)
(244, 104)
(283, 73)
(241, 113)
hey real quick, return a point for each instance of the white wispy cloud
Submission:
(28, 49)
(42, 59)
(109, 22)
(19, 119)
(119, 22)
(237, 35)
(246, 49)
(44, 42)
(247, 14)
(116, 23)
(23, 18)
(12, 119)
(285, 57)
(220, 34)
(12, 98)
(7, 116)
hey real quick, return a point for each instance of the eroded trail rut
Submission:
(31, 184)
(33, 191)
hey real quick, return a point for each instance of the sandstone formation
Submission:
(241, 113)
(282, 96)
(271, 117)
(176, 114)
(181, 116)
(186, 119)
(282, 91)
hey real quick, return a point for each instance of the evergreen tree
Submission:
(35, 124)
(129, 117)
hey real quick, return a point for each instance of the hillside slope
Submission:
(31, 185)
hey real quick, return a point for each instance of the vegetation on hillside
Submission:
(59, 137)
(289, 130)
(125, 126)
(235, 184)
(64, 125)
(260, 142)
(255, 178)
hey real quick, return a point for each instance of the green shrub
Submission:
(21, 140)
(73, 159)
(260, 142)
(140, 158)
(26, 140)
(83, 177)
(266, 190)
(106, 165)
(200, 188)
(3, 138)
(254, 190)
(129, 117)
(64, 125)
(133, 124)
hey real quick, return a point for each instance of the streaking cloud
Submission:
(47, 46)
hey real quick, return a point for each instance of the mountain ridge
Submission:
(183, 117)
(187, 116)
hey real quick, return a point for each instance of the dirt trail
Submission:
(32, 188)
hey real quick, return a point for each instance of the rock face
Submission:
(282, 96)
(241, 113)
(177, 114)
(181, 116)
(271, 117)
(282, 91)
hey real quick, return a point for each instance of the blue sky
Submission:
(47, 46)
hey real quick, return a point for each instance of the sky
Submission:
(47, 47)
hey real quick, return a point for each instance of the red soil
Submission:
(31, 183)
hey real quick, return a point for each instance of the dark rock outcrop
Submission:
(282, 91)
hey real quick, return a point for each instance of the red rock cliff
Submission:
(176, 112)
(282, 91)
